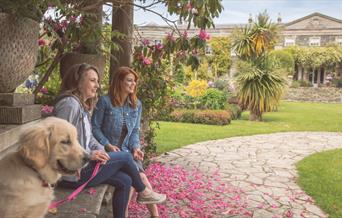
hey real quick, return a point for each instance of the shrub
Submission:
(214, 99)
(235, 111)
(337, 83)
(295, 84)
(213, 117)
(197, 88)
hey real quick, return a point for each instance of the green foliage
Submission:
(33, 9)
(220, 59)
(212, 117)
(214, 99)
(320, 176)
(282, 61)
(301, 83)
(235, 111)
(316, 57)
(199, 13)
(337, 83)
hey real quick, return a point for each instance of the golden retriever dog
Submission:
(47, 150)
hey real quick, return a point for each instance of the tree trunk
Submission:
(255, 116)
(122, 21)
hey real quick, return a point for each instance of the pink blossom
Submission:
(44, 90)
(170, 37)
(190, 193)
(203, 35)
(145, 42)
(42, 42)
(147, 61)
(274, 206)
(47, 109)
(185, 34)
(289, 214)
(159, 46)
(92, 191)
(188, 6)
(83, 210)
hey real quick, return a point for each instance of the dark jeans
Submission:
(120, 172)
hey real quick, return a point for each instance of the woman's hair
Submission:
(116, 87)
(71, 81)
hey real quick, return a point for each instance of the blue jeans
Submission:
(120, 172)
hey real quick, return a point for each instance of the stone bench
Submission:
(86, 205)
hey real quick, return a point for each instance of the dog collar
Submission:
(45, 184)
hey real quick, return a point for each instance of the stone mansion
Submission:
(315, 29)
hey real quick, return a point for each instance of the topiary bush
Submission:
(212, 117)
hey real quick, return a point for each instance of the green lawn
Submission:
(291, 116)
(320, 176)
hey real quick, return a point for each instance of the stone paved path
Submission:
(263, 166)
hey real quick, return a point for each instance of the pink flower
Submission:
(47, 109)
(185, 34)
(189, 6)
(147, 61)
(42, 42)
(44, 90)
(203, 35)
(145, 42)
(289, 214)
(92, 191)
(159, 47)
(170, 37)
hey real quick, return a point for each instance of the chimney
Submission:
(279, 18)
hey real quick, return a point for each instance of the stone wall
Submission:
(322, 94)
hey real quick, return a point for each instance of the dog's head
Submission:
(52, 143)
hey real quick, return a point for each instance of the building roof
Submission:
(312, 15)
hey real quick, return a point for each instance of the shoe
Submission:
(151, 198)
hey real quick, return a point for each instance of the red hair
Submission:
(116, 87)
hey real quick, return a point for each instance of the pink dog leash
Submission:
(74, 194)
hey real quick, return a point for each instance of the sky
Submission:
(237, 11)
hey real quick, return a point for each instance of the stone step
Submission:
(16, 99)
(19, 114)
(85, 205)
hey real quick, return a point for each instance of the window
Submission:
(338, 40)
(289, 41)
(315, 41)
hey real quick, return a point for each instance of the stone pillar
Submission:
(305, 75)
(300, 74)
(16, 108)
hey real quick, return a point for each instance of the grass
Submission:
(320, 176)
(291, 116)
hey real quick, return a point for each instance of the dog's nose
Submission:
(86, 158)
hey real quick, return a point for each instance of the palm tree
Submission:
(258, 91)
(259, 88)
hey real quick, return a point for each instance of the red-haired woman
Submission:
(116, 121)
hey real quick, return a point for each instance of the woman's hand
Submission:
(100, 155)
(138, 154)
(112, 148)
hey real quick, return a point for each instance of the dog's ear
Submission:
(34, 146)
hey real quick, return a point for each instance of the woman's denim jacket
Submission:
(107, 123)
